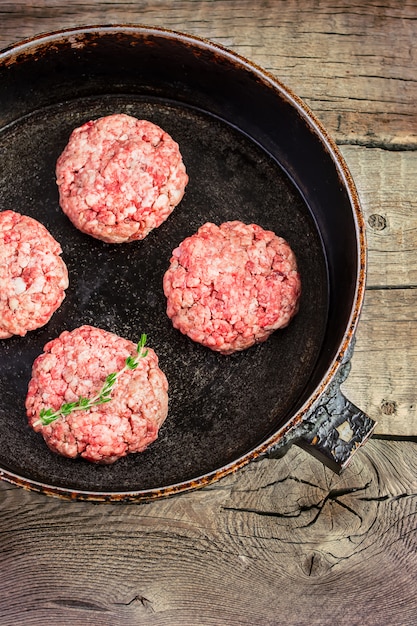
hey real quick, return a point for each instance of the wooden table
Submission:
(282, 541)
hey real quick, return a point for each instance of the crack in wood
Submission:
(348, 508)
(332, 496)
(301, 510)
(70, 603)
(315, 564)
(380, 144)
(375, 499)
(67, 603)
(399, 496)
(145, 602)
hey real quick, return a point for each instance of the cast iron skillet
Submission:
(253, 152)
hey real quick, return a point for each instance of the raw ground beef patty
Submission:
(120, 177)
(76, 365)
(232, 285)
(33, 277)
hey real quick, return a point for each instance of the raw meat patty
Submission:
(232, 285)
(33, 277)
(76, 364)
(120, 177)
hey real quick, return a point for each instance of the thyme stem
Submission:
(47, 416)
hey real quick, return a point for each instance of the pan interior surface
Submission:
(220, 407)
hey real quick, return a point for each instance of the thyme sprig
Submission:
(47, 416)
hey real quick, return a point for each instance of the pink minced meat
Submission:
(76, 364)
(232, 285)
(120, 177)
(33, 277)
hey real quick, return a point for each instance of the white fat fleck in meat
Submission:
(76, 364)
(120, 177)
(19, 285)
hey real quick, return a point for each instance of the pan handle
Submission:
(342, 428)
(334, 428)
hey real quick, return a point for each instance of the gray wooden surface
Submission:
(282, 541)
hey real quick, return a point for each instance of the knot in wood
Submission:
(388, 407)
(377, 222)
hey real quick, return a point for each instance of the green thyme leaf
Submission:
(131, 363)
(66, 409)
(47, 416)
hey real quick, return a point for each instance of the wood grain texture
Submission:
(284, 542)
(352, 62)
(383, 377)
(387, 187)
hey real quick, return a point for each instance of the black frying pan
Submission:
(253, 152)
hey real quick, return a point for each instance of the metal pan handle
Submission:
(333, 429)
(342, 429)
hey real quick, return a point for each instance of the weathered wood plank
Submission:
(382, 381)
(387, 187)
(363, 88)
(282, 541)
